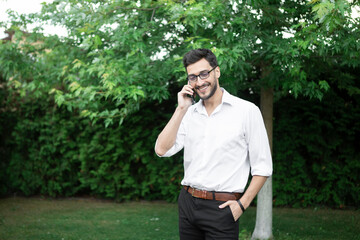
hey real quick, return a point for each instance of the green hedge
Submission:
(317, 151)
(53, 152)
(50, 151)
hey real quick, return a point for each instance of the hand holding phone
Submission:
(186, 97)
(192, 96)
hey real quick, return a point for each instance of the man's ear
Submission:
(217, 72)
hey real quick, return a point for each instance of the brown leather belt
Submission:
(219, 196)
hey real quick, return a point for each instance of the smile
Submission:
(203, 87)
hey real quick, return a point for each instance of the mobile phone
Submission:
(192, 96)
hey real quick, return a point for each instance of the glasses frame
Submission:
(198, 76)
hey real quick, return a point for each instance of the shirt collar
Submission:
(226, 98)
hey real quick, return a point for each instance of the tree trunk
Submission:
(263, 226)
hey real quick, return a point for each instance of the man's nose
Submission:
(199, 81)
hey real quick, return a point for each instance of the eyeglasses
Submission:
(203, 75)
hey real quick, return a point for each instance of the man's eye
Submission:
(204, 75)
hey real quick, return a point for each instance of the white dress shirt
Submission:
(220, 149)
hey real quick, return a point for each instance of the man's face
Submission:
(205, 88)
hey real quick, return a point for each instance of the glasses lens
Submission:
(192, 78)
(204, 75)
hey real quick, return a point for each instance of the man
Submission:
(223, 138)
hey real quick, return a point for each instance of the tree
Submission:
(126, 53)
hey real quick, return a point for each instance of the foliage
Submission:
(82, 112)
(120, 162)
(319, 164)
(43, 157)
(58, 154)
(121, 51)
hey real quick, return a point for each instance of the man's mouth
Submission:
(203, 87)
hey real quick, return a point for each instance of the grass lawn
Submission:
(86, 218)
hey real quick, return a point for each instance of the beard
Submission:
(212, 91)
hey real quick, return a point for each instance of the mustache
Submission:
(204, 85)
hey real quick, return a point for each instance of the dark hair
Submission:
(197, 54)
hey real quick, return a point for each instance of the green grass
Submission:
(86, 218)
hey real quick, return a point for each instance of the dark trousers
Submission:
(203, 219)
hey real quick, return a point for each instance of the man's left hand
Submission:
(234, 207)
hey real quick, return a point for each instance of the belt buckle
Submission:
(193, 190)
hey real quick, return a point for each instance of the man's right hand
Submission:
(184, 101)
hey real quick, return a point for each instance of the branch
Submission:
(139, 9)
(152, 16)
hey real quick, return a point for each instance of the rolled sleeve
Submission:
(172, 151)
(258, 145)
(178, 145)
